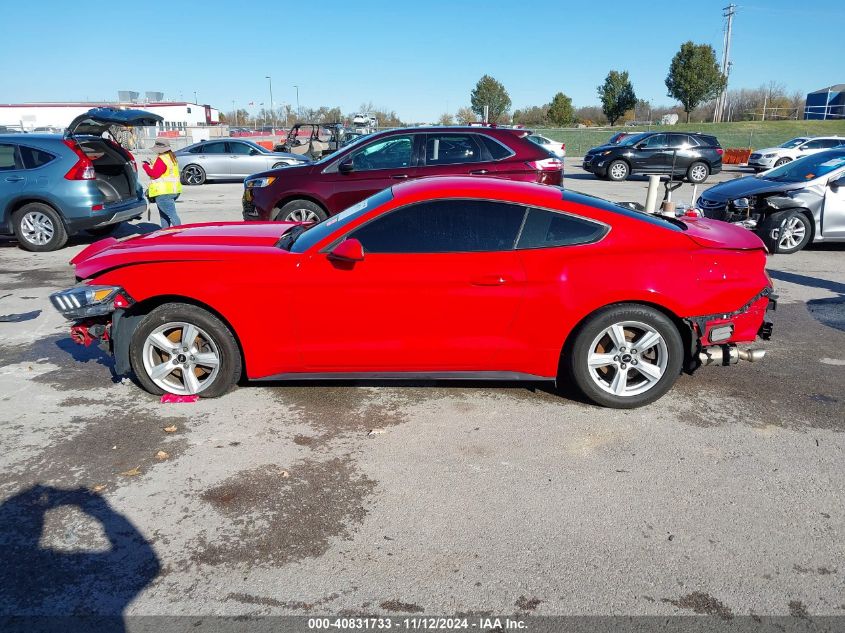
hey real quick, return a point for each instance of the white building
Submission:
(178, 115)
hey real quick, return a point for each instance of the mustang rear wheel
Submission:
(182, 349)
(626, 356)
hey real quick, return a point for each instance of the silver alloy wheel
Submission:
(37, 228)
(792, 233)
(618, 170)
(302, 215)
(628, 358)
(181, 358)
(193, 175)
(698, 173)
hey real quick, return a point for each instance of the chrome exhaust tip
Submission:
(729, 355)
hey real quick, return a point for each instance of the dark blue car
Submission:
(55, 185)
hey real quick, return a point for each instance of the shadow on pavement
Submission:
(41, 587)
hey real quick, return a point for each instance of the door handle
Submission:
(399, 176)
(14, 178)
(479, 172)
(490, 280)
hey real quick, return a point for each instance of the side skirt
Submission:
(510, 376)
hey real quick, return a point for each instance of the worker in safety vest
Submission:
(165, 185)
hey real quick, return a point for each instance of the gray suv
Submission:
(55, 185)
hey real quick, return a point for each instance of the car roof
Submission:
(31, 137)
(457, 128)
(474, 187)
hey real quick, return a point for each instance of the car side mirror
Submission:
(253, 152)
(345, 166)
(349, 250)
(836, 184)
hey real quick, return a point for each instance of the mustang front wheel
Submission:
(184, 350)
(626, 356)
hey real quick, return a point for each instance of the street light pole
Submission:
(195, 98)
(272, 111)
(298, 111)
(235, 112)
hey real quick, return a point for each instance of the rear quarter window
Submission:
(34, 158)
(496, 149)
(546, 229)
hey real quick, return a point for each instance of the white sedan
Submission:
(553, 147)
(794, 148)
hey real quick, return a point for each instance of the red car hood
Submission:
(203, 242)
(717, 234)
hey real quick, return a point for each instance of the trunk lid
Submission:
(716, 234)
(99, 120)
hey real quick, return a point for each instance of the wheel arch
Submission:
(297, 196)
(683, 326)
(132, 317)
(803, 211)
(15, 205)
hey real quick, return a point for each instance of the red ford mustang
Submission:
(437, 278)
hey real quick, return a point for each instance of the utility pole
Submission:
(272, 111)
(298, 111)
(234, 112)
(728, 12)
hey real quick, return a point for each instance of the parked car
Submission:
(56, 185)
(376, 161)
(435, 278)
(689, 155)
(229, 159)
(799, 147)
(553, 147)
(788, 207)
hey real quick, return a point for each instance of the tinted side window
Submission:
(8, 160)
(496, 149)
(831, 142)
(656, 141)
(392, 152)
(680, 140)
(33, 158)
(239, 148)
(444, 226)
(214, 148)
(544, 229)
(451, 149)
(199, 149)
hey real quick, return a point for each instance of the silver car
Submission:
(229, 159)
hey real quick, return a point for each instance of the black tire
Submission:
(227, 351)
(782, 161)
(667, 351)
(772, 231)
(698, 172)
(193, 175)
(39, 228)
(618, 170)
(301, 211)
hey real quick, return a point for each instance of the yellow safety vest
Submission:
(168, 182)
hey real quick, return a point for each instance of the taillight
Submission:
(720, 151)
(83, 169)
(546, 164)
(132, 160)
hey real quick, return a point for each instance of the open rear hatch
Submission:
(114, 166)
(717, 234)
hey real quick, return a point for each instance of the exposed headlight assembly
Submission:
(85, 301)
(769, 155)
(257, 183)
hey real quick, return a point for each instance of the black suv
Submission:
(688, 155)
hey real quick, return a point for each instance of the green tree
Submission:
(560, 111)
(532, 115)
(491, 93)
(694, 76)
(446, 119)
(617, 95)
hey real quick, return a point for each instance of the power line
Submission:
(728, 13)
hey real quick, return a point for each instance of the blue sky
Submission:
(419, 58)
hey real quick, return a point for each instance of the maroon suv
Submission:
(374, 162)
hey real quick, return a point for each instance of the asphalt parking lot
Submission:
(724, 497)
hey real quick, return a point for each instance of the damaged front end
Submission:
(715, 337)
(93, 310)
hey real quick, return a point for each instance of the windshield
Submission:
(631, 140)
(263, 150)
(807, 168)
(333, 156)
(793, 143)
(300, 238)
